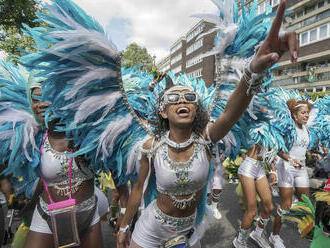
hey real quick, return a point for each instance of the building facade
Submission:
(309, 18)
(311, 21)
(185, 54)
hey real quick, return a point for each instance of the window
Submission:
(300, 13)
(315, 18)
(313, 35)
(309, 21)
(176, 69)
(262, 8)
(323, 15)
(195, 46)
(324, 31)
(195, 32)
(316, 34)
(320, 4)
(309, 9)
(176, 47)
(176, 58)
(193, 61)
(196, 74)
(294, 27)
(304, 38)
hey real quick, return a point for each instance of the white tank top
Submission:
(54, 167)
(300, 145)
(179, 179)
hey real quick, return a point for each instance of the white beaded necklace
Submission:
(182, 145)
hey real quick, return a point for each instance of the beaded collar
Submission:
(182, 145)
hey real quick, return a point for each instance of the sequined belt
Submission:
(89, 203)
(175, 222)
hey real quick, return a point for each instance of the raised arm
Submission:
(134, 200)
(270, 51)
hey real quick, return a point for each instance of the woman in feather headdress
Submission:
(22, 132)
(179, 156)
(292, 171)
(86, 87)
(59, 185)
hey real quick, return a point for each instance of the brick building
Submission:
(185, 54)
(311, 20)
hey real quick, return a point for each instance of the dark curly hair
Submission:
(161, 125)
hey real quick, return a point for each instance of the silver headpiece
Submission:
(301, 105)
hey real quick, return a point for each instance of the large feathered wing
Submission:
(19, 131)
(84, 83)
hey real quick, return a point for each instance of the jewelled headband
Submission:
(301, 105)
(178, 88)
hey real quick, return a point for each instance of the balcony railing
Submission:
(302, 77)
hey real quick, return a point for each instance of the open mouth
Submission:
(183, 111)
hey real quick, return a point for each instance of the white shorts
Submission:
(290, 176)
(102, 202)
(40, 225)
(153, 228)
(252, 168)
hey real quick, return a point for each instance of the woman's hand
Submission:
(297, 163)
(123, 239)
(275, 44)
(273, 179)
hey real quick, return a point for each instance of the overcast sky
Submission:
(154, 24)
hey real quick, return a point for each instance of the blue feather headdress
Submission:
(19, 131)
(103, 107)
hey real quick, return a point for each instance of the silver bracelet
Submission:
(273, 172)
(124, 229)
(254, 81)
(122, 210)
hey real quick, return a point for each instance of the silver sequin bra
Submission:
(54, 167)
(181, 178)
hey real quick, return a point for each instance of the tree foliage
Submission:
(316, 95)
(13, 14)
(135, 55)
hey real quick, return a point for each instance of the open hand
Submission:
(275, 44)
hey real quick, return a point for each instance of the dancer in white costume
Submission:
(253, 178)
(179, 158)
(292, 173)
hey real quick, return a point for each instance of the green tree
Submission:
(136, 55)
(13, 14)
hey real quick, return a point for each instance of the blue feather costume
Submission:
(107, 109)
(20, 132)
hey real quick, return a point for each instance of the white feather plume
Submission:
(30, 128)
(111, 133)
